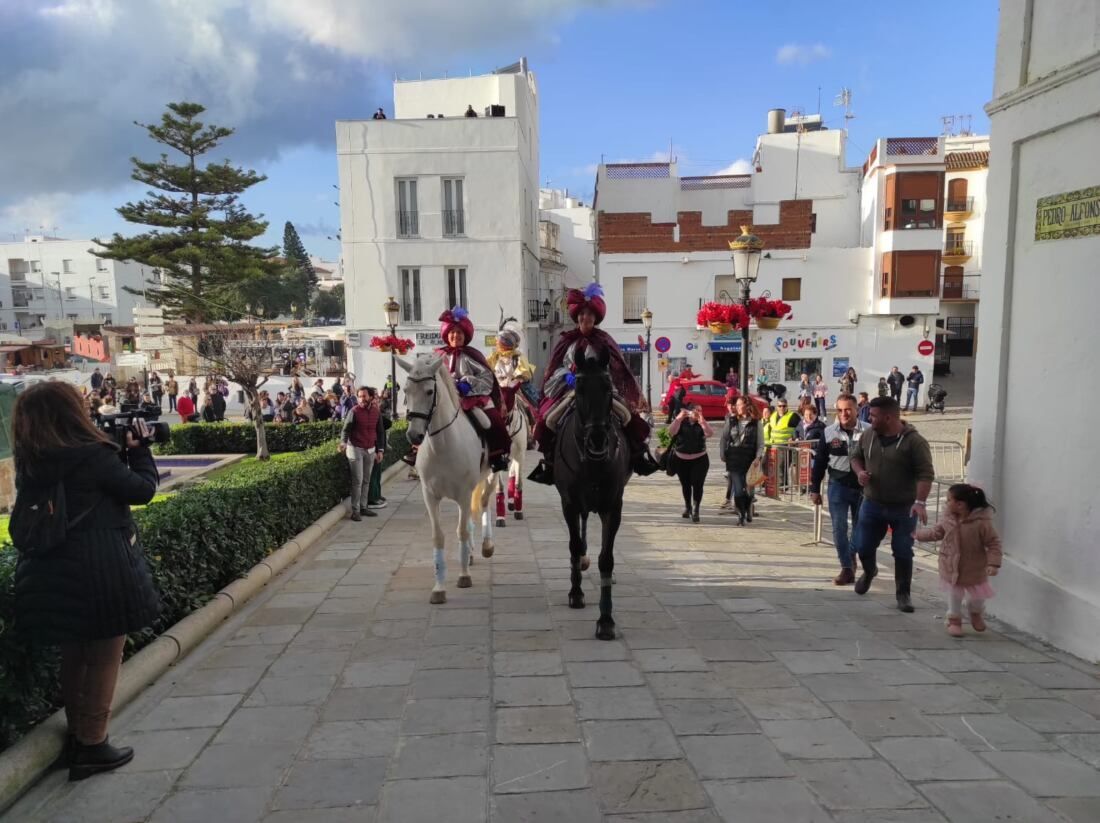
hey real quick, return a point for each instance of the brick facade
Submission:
(636, 233)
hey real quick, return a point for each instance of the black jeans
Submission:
(692, 474)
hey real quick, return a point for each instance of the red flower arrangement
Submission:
(722, 317)
(392, 342)
(763, 307)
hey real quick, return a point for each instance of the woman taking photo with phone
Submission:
(81, 582)
(689, 433)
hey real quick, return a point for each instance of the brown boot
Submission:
(846, 577)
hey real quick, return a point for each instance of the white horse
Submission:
(512, 497)
(452, 462)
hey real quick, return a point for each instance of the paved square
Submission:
(743, 687)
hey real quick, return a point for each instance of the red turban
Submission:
(456, 318)
(591, 298)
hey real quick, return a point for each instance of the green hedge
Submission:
(197, 541)
(240, 438)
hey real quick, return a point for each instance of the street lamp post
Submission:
(746, 251)
(647, 321)
(91, 298)
(392, 310)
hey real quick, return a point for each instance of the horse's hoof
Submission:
(605, 630)
(576, 601)
(487, 548)
(519, 515)
(501, 522)
(585, 563)
(464, 581)
(438, 597)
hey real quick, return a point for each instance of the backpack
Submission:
(39, 520)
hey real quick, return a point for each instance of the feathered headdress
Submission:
(591, 298)
(456, 318)
(510, 334)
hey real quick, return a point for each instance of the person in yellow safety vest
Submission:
(781, 425)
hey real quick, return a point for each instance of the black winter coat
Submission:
(97, 584)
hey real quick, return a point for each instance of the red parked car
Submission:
(709, 395)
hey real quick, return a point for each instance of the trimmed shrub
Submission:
(240, 438)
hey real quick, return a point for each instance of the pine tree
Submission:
(303, 279)
(200, 233)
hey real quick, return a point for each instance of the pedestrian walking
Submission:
(820, 392)
(969, 555)
(689, 432)
(87, 592)
(833, 458)
(156, 389)
(741, 445)
(913, 381)
(893, 464)
(896, 381)
(362, 440)
(805, 388)
(375, 500)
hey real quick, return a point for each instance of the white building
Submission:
(1038, 320)
(50, 282)
(438, 209)
(330, 273)
(864, 286)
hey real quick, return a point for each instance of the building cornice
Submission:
(1068, 74)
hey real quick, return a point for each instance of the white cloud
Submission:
(38, 213)
(78, 73)
(738, 166)
(801, 54)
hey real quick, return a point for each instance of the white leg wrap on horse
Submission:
(464, 556)
(440, 567)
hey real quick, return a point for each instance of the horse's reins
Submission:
(427, 418)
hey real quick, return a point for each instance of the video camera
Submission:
(117, 426)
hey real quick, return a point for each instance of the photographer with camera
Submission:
(81, 581)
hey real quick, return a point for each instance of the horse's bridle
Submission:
(583, 437)
(427, 418)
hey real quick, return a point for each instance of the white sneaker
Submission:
(381, 504)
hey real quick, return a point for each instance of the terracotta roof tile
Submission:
(968, 160)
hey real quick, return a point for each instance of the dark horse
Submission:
(592, 467)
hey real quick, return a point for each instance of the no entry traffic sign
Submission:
(925, 348)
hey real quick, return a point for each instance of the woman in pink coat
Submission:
(969, 556)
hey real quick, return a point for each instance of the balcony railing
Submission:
(633, 306)
(958, 248)
(408, 224)
(965, 287)
(454, 222)
(959, 204)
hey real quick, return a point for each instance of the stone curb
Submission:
(27, 760)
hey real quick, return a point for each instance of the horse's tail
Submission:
(480, 496)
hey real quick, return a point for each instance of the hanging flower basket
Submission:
(722, 318)
(767, 313)
(390, 342)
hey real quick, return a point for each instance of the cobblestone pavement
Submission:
(744, 687)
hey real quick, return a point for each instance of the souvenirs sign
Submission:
(1070, 214)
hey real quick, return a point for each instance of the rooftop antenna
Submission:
(819, 99)
(964, 124)
(948, 125)
(845, 99)
(800, 126)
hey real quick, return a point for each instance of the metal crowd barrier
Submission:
(789, 466)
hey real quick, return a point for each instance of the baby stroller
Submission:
(936, 396)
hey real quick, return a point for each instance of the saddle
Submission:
(560, 409)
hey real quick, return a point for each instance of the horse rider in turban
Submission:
(587, 309)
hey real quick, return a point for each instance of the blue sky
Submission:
(618, 80)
